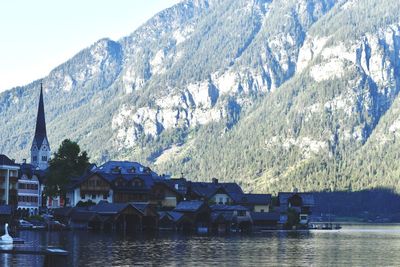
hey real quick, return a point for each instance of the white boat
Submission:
(6, 239)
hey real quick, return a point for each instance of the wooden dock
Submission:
(52, 256)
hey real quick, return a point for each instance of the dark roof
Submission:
(264, 216)
(63, 211)
(189, 206)
(4, 160)
(207, 190)
(30, 170)
(40, 132)
(141, 206)
(173, 215)
(148, 180)
(5, 210)
(82, 216)
(108, 208)
(256, 199)
(124, 167)
(219, 207)
(180, 185)
(307, 198)
(105, 208)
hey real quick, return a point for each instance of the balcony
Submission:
(28, 191)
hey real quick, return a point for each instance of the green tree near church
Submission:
(68, 162)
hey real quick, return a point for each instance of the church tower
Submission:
(40, 150)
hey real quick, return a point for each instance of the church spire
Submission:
(40, 132)
(40, 150)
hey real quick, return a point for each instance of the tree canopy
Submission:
(68, 162)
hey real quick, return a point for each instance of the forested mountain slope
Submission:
(273, 94)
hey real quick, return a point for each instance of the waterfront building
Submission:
(29, 189)
(123, 182)
(301, 203)
(198, 215)
(226, 218)
(8, 181)
(255, 202)
(214, 192)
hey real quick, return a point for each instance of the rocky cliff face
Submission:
(286, 93)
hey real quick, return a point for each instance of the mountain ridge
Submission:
(315, 81)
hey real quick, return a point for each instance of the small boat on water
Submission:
(324, 226)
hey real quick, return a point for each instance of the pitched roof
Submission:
(189, 206)
(219, 207)
(173, 215)
(63, 211)
(82, 216)
(124, 167)
(105, 208)
(108, 208)
(209, 189)
(307, 198)
(180, 185)
(40, 131)
(30, 170)
(4, 160)
(257, 199)
(147, 179)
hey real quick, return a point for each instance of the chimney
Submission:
(214, 180)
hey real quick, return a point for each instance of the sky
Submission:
(38, 35)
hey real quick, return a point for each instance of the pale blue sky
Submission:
(38, 35)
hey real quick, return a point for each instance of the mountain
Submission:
(273, 94)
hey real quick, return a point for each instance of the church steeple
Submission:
(40, 132)
(40, 150)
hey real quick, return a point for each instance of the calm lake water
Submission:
(372, 245)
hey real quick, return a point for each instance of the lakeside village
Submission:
(127, 196)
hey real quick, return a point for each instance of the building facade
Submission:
(8, 181)
(29, 189)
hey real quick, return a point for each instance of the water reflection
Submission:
(355, 246)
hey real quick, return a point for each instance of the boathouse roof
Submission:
(189, 206)
(307, 198)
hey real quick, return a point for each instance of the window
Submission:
(82, 196)
(93, 196)
(34, 158)
(221, 200)
(262, 210)
(241, 213)
(105, 196)
(44, 158)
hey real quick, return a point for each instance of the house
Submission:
(29, 190)
(198, 215)
(214, 192)
(172, 220)
(115, 182)
(255, 202)
(164, 196)
(8, 181)
(231, 218)
(300, 203)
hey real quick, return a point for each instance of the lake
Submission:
(369, 245)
